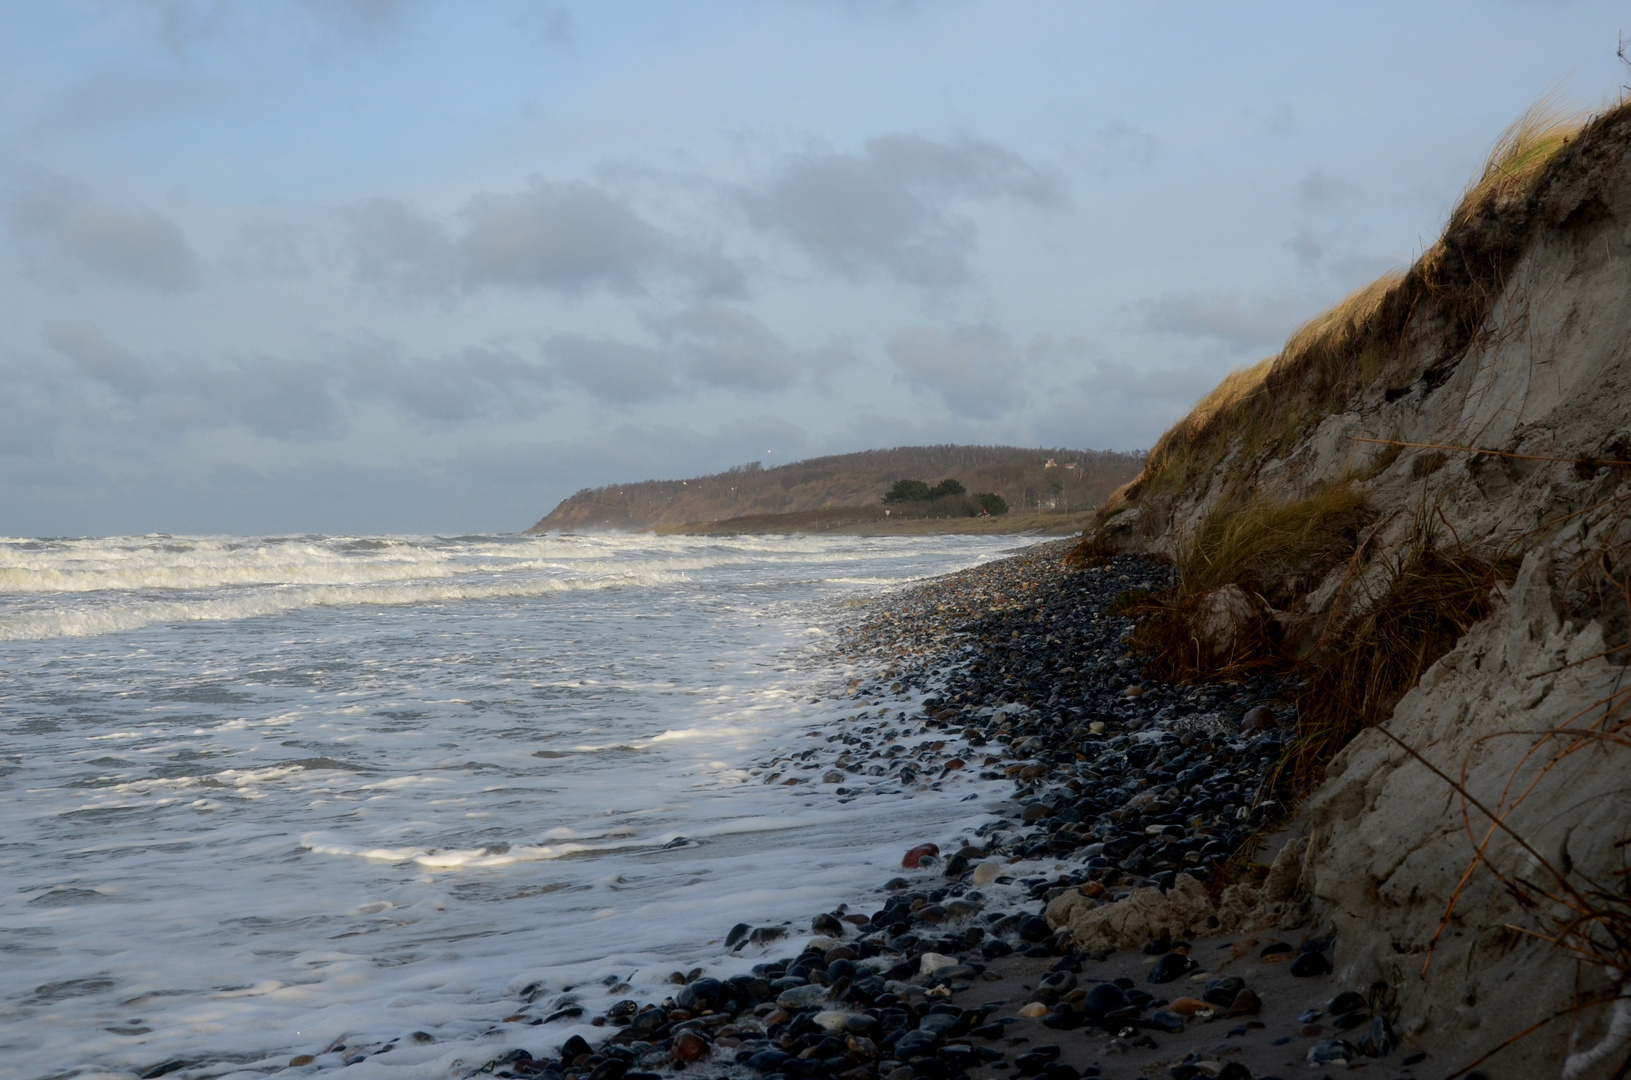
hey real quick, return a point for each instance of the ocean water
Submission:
(264, 797)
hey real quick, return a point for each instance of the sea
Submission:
(364, 798)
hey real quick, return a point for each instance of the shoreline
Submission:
(969, 968)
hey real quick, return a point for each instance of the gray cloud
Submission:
(184, 24)
(1333, 257)
(561, 236)
(612, 370)
(886, 208)
(706, 345)
(1227, 318)
(568, 238)
(63, 220)
(1120, 146)
(282, 397)
(365, 15)
(727, 347)
(1319, 189)
(973, 369)
(399, 250)
(168, 397)
(550, 23)
(113, 98)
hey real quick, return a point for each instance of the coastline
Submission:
(970, 964)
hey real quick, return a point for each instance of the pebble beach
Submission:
(1013, 950)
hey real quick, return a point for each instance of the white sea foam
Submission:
(265, 795)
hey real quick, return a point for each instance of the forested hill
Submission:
(1029, 480)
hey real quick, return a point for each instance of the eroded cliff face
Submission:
(1525, 710)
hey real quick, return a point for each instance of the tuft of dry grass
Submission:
(1269, 551)
(1523, 150)
(1269, 547)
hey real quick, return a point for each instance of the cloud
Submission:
(1332, 256)
(975, 370)
(368, 16)
(1120, 146)
(727, 347)
(568, 238)
(1227, 318)
(115, 98)
(550, 23)
(704, 345)
(1320, 189)
(887, 208)
(398, 250)
(184, 24)
(285, 398)
(62, 220)
(617, 371)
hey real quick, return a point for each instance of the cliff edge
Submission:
(1422, 506)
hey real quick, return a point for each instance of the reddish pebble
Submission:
(915, 856)
(1312, 1031)
(688, 1046)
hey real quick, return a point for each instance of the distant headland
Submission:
(906, 490)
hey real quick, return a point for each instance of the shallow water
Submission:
(262, 796)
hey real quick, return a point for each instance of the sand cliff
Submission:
(1479, 406)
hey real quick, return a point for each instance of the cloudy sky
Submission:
(432, 265)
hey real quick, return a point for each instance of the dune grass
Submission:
(1273, 551)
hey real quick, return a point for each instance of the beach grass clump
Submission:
(1249, 557)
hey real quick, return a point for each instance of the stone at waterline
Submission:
(688, 1046)
(827, 925)
(987, 872)
(913, 858)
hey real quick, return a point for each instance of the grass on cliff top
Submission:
(1264, 409)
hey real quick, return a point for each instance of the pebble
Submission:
(832, 1020)
(1169, 1022)
(914, 858)
(688, 1046)
(802, 997)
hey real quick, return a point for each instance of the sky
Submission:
(365, 266)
